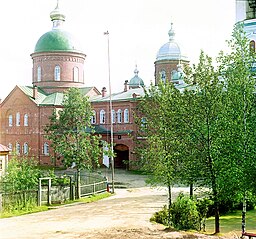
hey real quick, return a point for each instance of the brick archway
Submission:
(122, 156)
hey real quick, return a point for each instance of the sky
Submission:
(137, 29)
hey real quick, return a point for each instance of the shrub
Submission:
(184, 214)
(161, 216)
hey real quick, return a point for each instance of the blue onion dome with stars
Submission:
(57, 39)
(171, 49)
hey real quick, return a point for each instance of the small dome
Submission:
(136, 81)
(57, 40)
(170, 50)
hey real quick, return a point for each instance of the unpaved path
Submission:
(124, 215)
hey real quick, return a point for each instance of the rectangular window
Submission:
(1, 164)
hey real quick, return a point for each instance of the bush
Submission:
(184, 213)
(161, 216)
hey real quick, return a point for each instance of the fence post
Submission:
(39, 193)
(1, 202)
(49, 201)
(94, 188)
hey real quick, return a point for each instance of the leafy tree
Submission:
(158, 120)
(71, 134)
(21, 174)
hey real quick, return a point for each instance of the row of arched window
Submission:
(23, 149)
(57, 71)
(118, 116)
(18, 121)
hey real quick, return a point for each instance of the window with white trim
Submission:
(76, 74)
(126, 116)
(102, 117)
(93, 117)
(46, 149)
(113, 116)
(39, 73)
(25, 119)
(57, 73)
(25, 148)
(10, 120)
(17, 119)
(119, 116)
(10, 146)
(18, 148)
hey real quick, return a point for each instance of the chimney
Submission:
(103, 91)
(125, 85)
(35, 91)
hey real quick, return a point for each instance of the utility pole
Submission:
(111, 122)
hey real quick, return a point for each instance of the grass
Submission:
(232, 222)
(92, 198)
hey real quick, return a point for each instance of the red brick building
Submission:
(58, 63)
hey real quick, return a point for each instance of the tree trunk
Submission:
(217, 216)
(191, 190)
(170, 203)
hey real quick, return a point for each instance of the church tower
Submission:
(58, 62)
(169, 60)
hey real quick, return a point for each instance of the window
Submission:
(18, 148)
(113, 116)
(163, 76)
(26, 120)
(252, 46)
(93, 117)
(18, 119)
(126, 116)
(76, 74)
(119, 116)
(1, 164)
(10, 146)
(39, 73)
(57, 73)
(102, 117)
(25, 148)
(46, 149)
(10, 120)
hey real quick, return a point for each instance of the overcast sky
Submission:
(138, 28)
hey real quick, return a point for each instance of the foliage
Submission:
(184, 214)
(21, 174)
(161, 216)
(72, 136)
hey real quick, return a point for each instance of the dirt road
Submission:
(124, 215)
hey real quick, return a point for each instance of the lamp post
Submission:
(111, 122)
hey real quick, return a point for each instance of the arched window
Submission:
(119, 116)
(57, 73)
(252, 46)
(17, 119)
(93, 117)
(18, 148)
(76, 74)
(163, 76)
(102, 117)
(25, 119)
(10, 120)
(25, 148)
(10, 146)
(126, 116)
(113, 116)
(46, 148)
(39, 73)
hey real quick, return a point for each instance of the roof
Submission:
(57, 40)
(4, 148)
(130, 94)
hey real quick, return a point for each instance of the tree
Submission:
(71, 134)
(21, 174)
(158, 120)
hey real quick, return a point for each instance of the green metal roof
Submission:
(57, 40)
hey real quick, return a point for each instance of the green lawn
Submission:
(233, 222)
